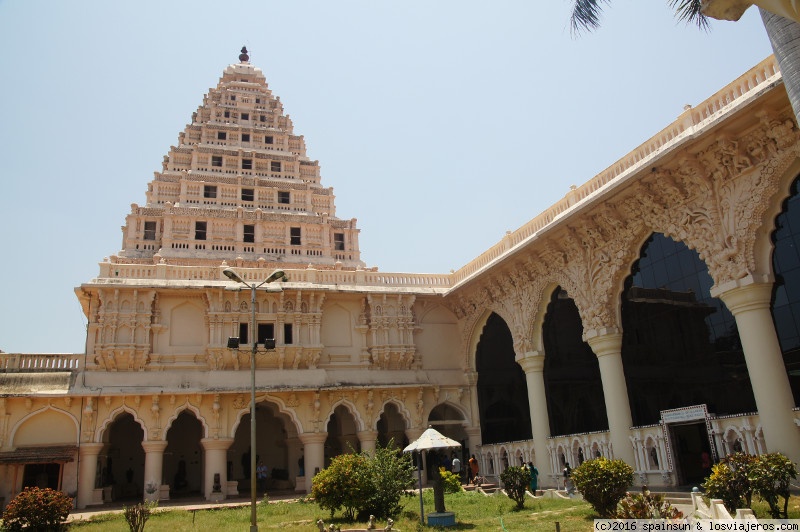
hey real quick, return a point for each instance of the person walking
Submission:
(473, 469)
(534, 477)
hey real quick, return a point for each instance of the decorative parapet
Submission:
(688, 124)
(111, 272)
(18, 362)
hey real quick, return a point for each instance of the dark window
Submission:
(249, 233)
(245, 137)
(786, 290)
(275, 166)
(269, 139)
(247, 164)
(245, 116)
(248, 194)
(262, 118)
(294, 232)
(149, 230)
(243, 336)
(671, 322)
(227, 114)
(233, 97)
(221, 135)
(283, 197)
(209, 191)
(216, 160)
(575, 400)
(338, 241)
(200, 230)
(258, 100)
(287, 333)
(266, 331)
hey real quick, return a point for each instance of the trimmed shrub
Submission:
(603, 483)
(516, 481)
(450, 481)
(770, 475)
(343, 484)
(645, 505)
(365, 485)
(730, 481)
(37, 509)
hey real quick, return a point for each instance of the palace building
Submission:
(650, 315)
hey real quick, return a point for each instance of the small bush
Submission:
(450, 481)
(603, 483)
(137, 516)
(342, 484)
(730, 481)
(37, 509)
(646, 506)
(770, 476)
(390, 474)
(365, 485)
(516, 481)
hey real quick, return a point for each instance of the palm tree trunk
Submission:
(784, 36)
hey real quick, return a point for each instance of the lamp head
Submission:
(277, 275)
(232, 275)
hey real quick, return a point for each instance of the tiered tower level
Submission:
(239, 186)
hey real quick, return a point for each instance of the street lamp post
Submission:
(233, 276)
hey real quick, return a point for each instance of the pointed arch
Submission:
(186, 407)
(275, 401)
(401, 409)
(53, 432)
(113, 415)
(351, 408)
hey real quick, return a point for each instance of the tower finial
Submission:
(243, 57)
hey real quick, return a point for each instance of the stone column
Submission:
(608, 349)
(215, 462)
(87, 472)
(749, 304)
(314, 444)
(532, 364)
(153, 464)
(367, 438)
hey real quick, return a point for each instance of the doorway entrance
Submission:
(691, 451)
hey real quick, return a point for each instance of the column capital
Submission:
(753, 296)
(310, 438)
(211, 444)
(531, 362)
(606, 344)
(154, 446)
(90, 449)
(367, 435)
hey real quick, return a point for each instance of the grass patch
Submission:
(474, 512)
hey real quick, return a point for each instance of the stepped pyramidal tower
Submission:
(239, 186)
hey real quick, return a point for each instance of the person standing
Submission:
(261, 476)
(473, 469)
(534, 477)
(456, 466)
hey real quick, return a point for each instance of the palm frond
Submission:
(586, 15)
(689, 12)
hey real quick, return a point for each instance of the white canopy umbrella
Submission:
(429, 440)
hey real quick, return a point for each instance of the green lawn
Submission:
(474, 512)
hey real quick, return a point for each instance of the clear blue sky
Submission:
(440, 125)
